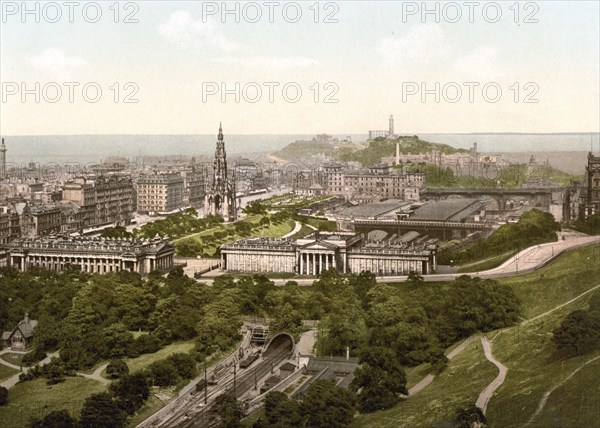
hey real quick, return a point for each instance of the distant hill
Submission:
(301, 150)
(367, 155)
(409, 145)
(304, 150)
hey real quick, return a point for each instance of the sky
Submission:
(150, 67)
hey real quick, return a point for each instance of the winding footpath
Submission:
(546, 395)
(14, 379)
(486, 394)
(297, 228)
(423, 383)
(561, 305)
(96, 375)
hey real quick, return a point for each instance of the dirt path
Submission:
(423, 383)
(96, 375)
(12, 381)
(297, 228)
(486, 394)
(546, 395)
(560, 306)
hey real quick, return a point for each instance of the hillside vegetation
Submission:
(371, 155)
(534, 227)
(535, 365)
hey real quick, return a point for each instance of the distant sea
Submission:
(94, 148)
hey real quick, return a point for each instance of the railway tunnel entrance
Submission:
(280, 344)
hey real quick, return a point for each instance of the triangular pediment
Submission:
(321, 245)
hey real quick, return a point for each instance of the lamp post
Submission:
(205, 384)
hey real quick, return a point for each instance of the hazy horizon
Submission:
(96, 147)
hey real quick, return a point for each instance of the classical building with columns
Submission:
(316, 253)
(92, 255)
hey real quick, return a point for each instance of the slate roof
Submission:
(287, 367)
(453, 209)
(374, 209)
(26, 326)
(335, 364)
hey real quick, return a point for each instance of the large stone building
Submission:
(376, 183)
(592, 175)
(103, 200)
(40, 220)
(194, 188)
(92, 255)
(220, 198)
(10, 224)
(582, 200)
(160, 193)
(344, 252)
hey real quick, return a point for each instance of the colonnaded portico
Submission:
(91, 255)
(310, 256)
(315, 263)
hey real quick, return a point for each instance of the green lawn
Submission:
(270, 231)
(6, 372)
(460, 384)
(276, 230)
(304, 230)
(13, 358)
(569, 275)
(582, 409)
(534, 367)
(34, 399)
(145, 360)
(486, 264)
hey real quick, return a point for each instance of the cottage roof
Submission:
(25, 326)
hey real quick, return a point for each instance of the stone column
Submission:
(301, 271)
(314, 264)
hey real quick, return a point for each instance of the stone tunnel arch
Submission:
(281, 342)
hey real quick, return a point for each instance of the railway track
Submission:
(196, 414)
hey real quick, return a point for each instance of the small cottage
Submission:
(20, 338)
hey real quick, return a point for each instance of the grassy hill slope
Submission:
(534, 364)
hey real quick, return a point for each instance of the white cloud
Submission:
(270, 63)
(56, 62)
(422, 43)
(183, 31)
(482, 63)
